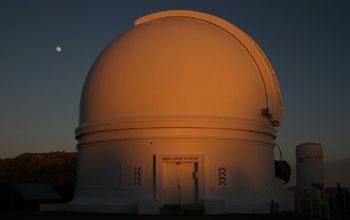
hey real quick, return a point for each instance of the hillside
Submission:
(56, 168)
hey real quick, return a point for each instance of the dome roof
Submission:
(181, 65)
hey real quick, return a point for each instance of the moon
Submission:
(58, 49)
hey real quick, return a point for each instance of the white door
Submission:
(179, 183)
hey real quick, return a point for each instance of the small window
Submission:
(136, 176)
(222, 176)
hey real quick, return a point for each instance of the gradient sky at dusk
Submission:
(307, 43)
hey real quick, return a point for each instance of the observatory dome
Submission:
(181, 65)
(178, 110)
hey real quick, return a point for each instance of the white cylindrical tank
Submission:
(309, 164)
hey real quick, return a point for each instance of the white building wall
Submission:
(105, 168)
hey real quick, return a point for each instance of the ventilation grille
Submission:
(137, 176)
(222, 176)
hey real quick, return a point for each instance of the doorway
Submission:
(180, 182)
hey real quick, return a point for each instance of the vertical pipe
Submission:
(179, 189)
(297, 203)
(154, 177)
(319, 204)
(180, 206)
(310, 204)
(196, 181)
(328, 206)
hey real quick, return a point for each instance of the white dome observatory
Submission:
(179, 110)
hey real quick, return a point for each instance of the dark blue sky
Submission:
(307, 43)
